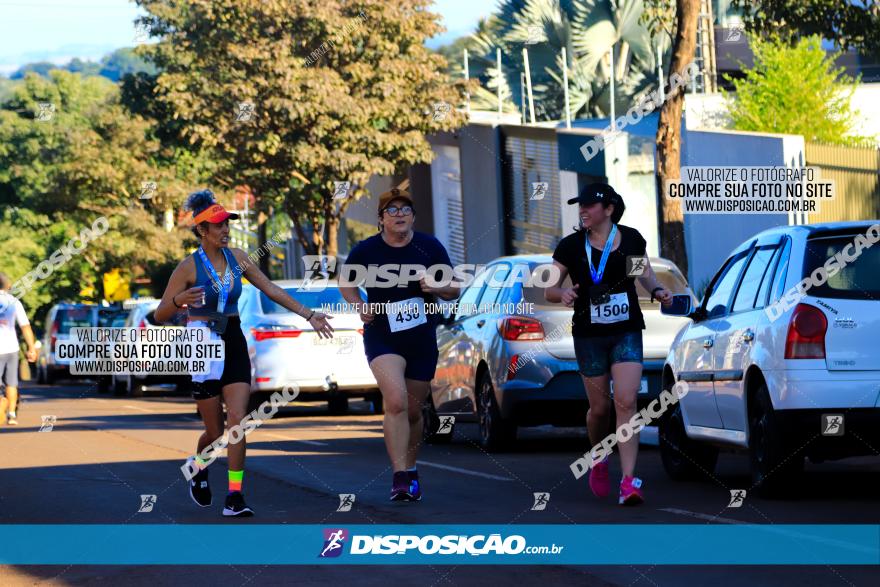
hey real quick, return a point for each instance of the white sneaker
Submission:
(11, 419)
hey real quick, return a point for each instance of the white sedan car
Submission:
(774, 372)
(285, 350)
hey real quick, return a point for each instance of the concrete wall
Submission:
(711, 237)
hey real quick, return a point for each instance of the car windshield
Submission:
(68, 318)
(670, 280)
(858, 280)
(311, 299)
(112, 317)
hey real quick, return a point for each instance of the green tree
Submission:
(588, 30)
(58, 175)
(340, 92)
(794, 90)
(851, 24)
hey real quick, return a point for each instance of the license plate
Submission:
(335, 341)
(643, 387)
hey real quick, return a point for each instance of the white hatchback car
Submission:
(782, 376)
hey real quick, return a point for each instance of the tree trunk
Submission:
(332, 244)
(672, 244)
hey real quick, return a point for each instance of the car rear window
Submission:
(111, 318)
(72, 318)
(858, 280)
(310, 299)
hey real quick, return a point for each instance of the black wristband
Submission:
(174, 301)
(655, 290)
(309, 319)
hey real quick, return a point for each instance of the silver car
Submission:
(285, 350)
(515, 368)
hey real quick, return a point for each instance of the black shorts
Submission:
(236, 365)
(419, 352)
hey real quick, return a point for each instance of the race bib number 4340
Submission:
(615, 310)
(406, 314)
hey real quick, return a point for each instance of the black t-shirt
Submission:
(423, 250)
(571, 252)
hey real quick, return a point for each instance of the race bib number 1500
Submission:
(406, 314)
(615, 310)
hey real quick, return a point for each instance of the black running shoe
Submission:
(235, 506)
(199, 489)
(400, 489)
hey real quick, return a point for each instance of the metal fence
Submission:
(856, 174)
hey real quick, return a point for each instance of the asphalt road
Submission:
(104, 452)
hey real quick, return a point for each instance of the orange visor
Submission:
(214, 214)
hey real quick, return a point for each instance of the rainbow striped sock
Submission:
(235, 478)
(201, 463)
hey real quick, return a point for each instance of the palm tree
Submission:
(588, 29)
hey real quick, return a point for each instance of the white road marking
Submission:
(464, 471)
(700, 516)
(282, 437)
(137, 408)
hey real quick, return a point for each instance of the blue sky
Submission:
(58, 30)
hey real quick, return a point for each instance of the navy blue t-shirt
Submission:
(423, 250)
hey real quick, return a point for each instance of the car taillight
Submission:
(53, 336)
(518, 328)
(265, 334)
(143, 323)
(806, 333)
(264, 379)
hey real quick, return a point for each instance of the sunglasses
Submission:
(395, 211)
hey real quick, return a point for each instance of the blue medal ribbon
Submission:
(224, 285)
(597, 274)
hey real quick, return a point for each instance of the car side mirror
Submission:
(682, 305)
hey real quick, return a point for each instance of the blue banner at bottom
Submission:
(623, 544)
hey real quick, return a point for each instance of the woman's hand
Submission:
(664, 296)
(366, 315)
(320, 323)
(569, 295)
(189, 297)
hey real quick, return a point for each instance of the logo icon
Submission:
(244, 112)
(317, 272)
(334, 540)
(539, 190)
(635, 265)
(148, 190)
(346, 500)
(346, 345)
(541, 501)
(48, 423)
(535, 34)
(141, 32)
(447, 423)
(737, 497)
(46, 111)
(441, 109)
(147, 503)
(340, 189)
(734, 33)
(832, 424)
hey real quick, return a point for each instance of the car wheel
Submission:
(431, 423)
(684, 458)
(496, 433)
(377, 404)
(49, 377)
(103, 383)
(338, 404)
(41, 375)
(118, 385)
(775, 463)
(133, 388)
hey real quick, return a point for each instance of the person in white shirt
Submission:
(11, 311)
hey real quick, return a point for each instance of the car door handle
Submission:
(707, 343)
(748, 336)
(480, 323)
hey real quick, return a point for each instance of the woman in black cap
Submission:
(607, 322)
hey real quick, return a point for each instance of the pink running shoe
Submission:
(599, 479)
(631, 491)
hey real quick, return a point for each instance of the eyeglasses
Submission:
(395, 211)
